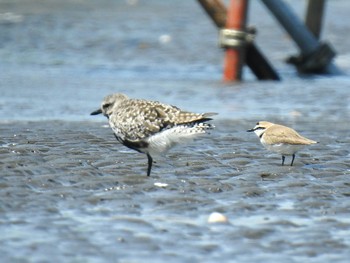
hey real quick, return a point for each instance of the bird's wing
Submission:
(175, 116)
(136, 120)
(285, 135)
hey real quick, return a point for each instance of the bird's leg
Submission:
(150, 161)
(291, 164)
(283, 158)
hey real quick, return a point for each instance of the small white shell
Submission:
(216, 217)
(158, 184)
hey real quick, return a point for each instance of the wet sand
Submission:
(70, 192)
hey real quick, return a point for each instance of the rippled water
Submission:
(70, 193)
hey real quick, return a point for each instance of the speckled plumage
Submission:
(151, 127)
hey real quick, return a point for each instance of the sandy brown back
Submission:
(282, 134)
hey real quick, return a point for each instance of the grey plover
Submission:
(280, 139)
(151, 127)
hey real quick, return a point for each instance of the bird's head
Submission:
(260, 127)
(109, 103)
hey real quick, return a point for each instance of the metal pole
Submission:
(234, 56)
(306, 41)
(293, 25)
(216, 10)
(313, 18)
(254, 57)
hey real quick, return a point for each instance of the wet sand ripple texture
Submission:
(69, 191)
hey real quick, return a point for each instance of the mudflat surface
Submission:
(69, 191)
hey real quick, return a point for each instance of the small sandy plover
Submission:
(280, 139)
(151, 127)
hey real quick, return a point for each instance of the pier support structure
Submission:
(237, 40)
(314, 16)
(233, 38)
(315, 57)
(255, 60)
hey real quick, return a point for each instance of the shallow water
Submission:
(68, 190)
(70, 193)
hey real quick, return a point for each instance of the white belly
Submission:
(284, 149)
(164, 140)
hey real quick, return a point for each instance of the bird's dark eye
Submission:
(107, 105)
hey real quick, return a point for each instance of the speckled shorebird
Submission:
(151, 127)
(280, 139)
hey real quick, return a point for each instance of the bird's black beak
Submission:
(250, 130)
(99, 111)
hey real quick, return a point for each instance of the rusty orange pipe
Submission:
(234, 57)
